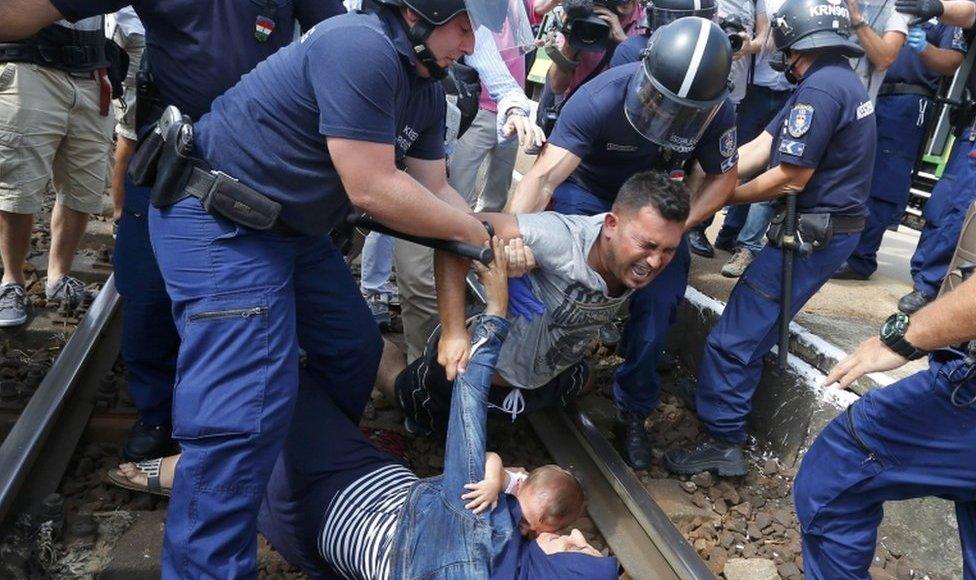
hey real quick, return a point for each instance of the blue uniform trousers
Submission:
(149, 338)
(899, 442)
(944, 214)
(748, 329)
(636, 387)
(243, 303)
(901, 128)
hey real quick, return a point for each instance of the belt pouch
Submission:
(172, 173)
(241, 204)
(775, 232)
(815, 228)
(142, 166)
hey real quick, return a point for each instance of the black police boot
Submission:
(913, 302)
(147, 442)
(845, 272)
(710, 455)
(699, 244)
(633, 440)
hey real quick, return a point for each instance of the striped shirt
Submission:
(357, 535)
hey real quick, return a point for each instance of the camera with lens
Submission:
(733, 26)
(583, 29)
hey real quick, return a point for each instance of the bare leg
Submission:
(124, 148)
(392, 364)
(67, 229)
(15, 236)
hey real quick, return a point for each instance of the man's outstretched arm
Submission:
(961, 13)
(949, 320)
(22, 18)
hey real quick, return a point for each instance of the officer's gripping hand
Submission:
(916, 40)
(921, 9)
(494, 278)
(871, 356)
(520, 258)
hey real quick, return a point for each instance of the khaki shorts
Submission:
(125, 108)
(51, 132)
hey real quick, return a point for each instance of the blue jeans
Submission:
(748, 329)
(944, 214)
(743, 224)
(903, 441)
(377, 265)
(149, 338)
(636, 387)
(243, 303)
(901, 128)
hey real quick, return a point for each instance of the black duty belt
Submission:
(846, 224)
(77, 58)
(905, 89)
(201, 184)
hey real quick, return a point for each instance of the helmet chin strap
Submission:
(418, 34)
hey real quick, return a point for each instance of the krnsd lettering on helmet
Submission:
(827, 10)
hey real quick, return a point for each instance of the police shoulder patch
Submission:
(801, 118)
(865, 109)
(727, 143)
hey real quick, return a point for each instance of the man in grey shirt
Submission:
(586, 269)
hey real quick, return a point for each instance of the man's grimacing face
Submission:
(640, 245)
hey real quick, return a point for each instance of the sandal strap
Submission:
(152, 483)
(150, 467)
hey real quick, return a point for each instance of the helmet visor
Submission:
(664, 118)
(506, 19)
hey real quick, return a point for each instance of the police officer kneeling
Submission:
(820, 148)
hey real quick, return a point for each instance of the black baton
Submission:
(786, 292)
(465, 250)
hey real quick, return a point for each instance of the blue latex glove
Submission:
(917, 40)
(521, 300)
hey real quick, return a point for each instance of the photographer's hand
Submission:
(617, 34)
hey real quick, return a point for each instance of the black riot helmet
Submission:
(814, 24)
(681, 83)
(661, 12)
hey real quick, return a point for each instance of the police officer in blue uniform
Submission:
(656, 15)
(659, 113)
(945, 210)
(911, 439)
(903, 109)
(196, 51)
(815, 148)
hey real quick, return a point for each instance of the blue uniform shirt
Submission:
(629, 50)
(592, 125)
(908, 67)
(353, 77)
(828, 124)
(198, 49)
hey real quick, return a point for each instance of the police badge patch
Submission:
(727, 143)
(801, 117)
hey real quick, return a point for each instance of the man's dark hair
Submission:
(668, 196)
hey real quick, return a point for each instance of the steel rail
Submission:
(62, 405)
(642, 537)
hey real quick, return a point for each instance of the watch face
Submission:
(894, 327)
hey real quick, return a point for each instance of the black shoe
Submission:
(845, 272)
(699, 244)
(913, 302)
(710, 455)
(633, 440)
(725, 245)
(147, 442)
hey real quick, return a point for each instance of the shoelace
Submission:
(72, 289)
(9, 296)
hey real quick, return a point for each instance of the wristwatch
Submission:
(861, 24)
(893, 336)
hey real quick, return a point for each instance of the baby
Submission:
(550, 497)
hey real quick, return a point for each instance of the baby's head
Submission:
(551, 498)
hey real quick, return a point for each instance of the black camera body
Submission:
(732, 26)
(583, 29)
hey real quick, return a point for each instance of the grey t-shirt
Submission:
(575, 296)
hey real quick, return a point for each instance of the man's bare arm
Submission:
(941, 60)
(374, 184)
(961, 13)
(777, 181)
(754, 155)
(22, 18)
(552, 168)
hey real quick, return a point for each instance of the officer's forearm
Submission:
(880, 50)
(531, 195)
(754, 155)
(449, 273)
(941, 60)
(770, 184)
(711, 196)
(961, 13)
(949, 320)
(22, 18)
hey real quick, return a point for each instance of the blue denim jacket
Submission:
(437, 538)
